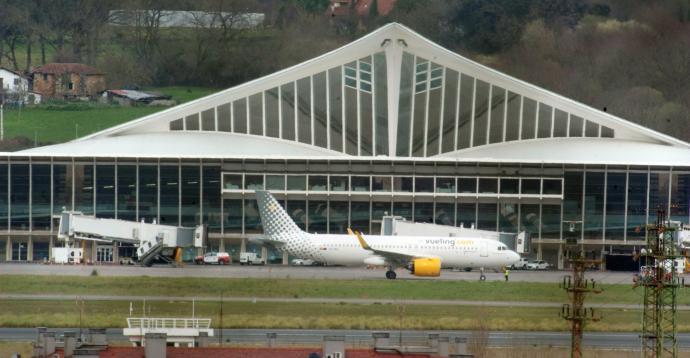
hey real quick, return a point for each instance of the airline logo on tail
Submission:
(279, 227)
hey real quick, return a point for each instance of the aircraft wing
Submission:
(397, 257)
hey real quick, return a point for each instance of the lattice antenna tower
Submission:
(661, 282)
(577, 287)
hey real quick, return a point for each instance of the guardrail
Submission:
(164, 323)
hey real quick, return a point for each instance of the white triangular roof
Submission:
(393, 39)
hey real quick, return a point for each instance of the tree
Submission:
(490, 26)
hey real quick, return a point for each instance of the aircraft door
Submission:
(484, 249)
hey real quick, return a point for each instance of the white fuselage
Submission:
(453, 252)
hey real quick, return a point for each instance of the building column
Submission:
(221, 245)
(51, 243)
(264, 254)
(539, 251)
(116, 253)
(560, 256)
(243, 246)
(285, 258)
(8, 249)
(30, 249)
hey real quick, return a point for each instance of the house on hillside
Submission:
(68, 81)
(125, 97)
(360, 7)
(15, 88)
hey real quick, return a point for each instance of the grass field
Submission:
(383, 289)
(9, 348)
(312, 315)
(60, 123)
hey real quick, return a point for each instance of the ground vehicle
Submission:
(520, 265)
(126, 261)
(538, 265)
(250, 258)
(303, 262)
(220, 258)
(67, 255)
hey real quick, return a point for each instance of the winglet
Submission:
(364, 244)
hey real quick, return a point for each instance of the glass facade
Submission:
(601, 204)
(345, 109)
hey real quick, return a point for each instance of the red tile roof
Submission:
(138, 352)
(60, 68)
(383, 7)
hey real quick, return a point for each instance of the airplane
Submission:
(421, 255)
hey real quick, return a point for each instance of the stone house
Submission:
(68, 81)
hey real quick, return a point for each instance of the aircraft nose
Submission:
(514, 257)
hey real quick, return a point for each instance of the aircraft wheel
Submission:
(391, 275)
(482, 277)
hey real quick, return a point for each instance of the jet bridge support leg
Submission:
(30, 249)
(51, 244)
(116, 253)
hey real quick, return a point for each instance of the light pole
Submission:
(2, 120)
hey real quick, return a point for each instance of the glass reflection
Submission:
(338, 217)
(513, 116)
(304, 110)
(271, 111)
(615, 206)
(40, 196)
(680, 197)
(256, 114)
(445, 214)
(190, 203)
(105, 191)
(498, 99)
(320, 108)
(637, 205)
(239, 116)
(335, 98)
(450, 101)
(211, 200)
(594, 205)
(127, 192)
(148, 193)
(529, 117)
(405, 105)
(233, 213)
(545, 118)
(287, 108)
(481, 109)
(465, 111)
(169, 195)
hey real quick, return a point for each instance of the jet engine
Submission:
(375, 261)
(429, 267)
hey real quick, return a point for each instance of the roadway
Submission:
(363, 338)
(294, 272)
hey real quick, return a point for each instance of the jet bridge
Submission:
(153, 241)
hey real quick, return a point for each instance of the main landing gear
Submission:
(390, 274)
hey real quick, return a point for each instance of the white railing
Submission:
(167, 323)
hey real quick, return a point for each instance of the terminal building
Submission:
(391, 123)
